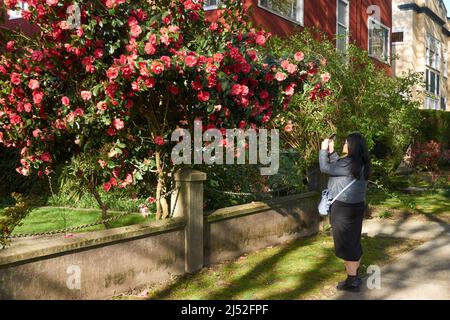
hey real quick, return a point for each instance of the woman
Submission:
(347, 211)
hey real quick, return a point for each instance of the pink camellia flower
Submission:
(15, 119)
(290, 89)
(15, 78)
(236, 89)
(325, 77)
(46, 157)
(52, 3)
(33, 84)
(190, 61)
(65, 101)
(150, 48)
(36, 133)
(280, 76)
(27, 107)
(37, 96)
(118, 124)
(107, 186)
(157, 67)
(135, 31)
(299, 56)
(10, 46)
(151, 200)
(102, 163)
(285, 64)
(159, 140)
(86, 95)
(112, 73)
(261, 40)
(292, 68)
(288, 127)
(143, 210)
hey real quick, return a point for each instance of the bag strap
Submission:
(346, 187)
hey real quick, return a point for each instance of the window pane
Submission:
(342, 13)
(378, 41)
(286, 8)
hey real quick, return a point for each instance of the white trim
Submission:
(388, 62)
(347, 38)
(300, 12)
(208, 8)
(17, 14)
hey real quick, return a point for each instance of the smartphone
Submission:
(332, 137)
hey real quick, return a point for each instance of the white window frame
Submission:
(388, 56)
(437, 52)
(445, 62)
(211, 7)
(300, 12)
(432, 103)
(17, 14)
(347, 2)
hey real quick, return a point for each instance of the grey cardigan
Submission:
(339, 170)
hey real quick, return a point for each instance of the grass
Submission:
(302, 269)
(49, 219)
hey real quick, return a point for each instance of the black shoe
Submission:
(352, 284)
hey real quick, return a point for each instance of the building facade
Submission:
(366, 23)
(421, 34)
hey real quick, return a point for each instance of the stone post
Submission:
(189, 205)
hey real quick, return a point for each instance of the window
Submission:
(211, 4)
(17, 14)
(397, 37)
(443, 103)
(433, 56)
(289, 9)
(379, 41)
(431, 103)
(342, 27)
(445, 62)
(432, 82)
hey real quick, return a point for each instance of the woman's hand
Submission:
(325, 144)
(331, 146)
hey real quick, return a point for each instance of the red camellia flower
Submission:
(65, 101)
(107, 186)
(46, 157)
(159, 140)
(203, 96)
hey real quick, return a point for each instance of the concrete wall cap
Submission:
(189, 175)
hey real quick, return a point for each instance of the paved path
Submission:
(423, 273)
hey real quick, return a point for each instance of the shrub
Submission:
(363, 98)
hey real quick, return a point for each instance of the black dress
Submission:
(346, 223)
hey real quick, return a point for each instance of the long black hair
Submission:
(359, 153)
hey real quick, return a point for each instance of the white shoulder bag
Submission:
(326, 202)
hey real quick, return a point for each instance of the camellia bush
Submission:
(113, 78)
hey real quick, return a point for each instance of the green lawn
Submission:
(302, 269)
(48, 219)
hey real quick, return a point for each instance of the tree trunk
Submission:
(162, 207)
(102, 205)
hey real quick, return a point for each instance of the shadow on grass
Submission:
(295, 270)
